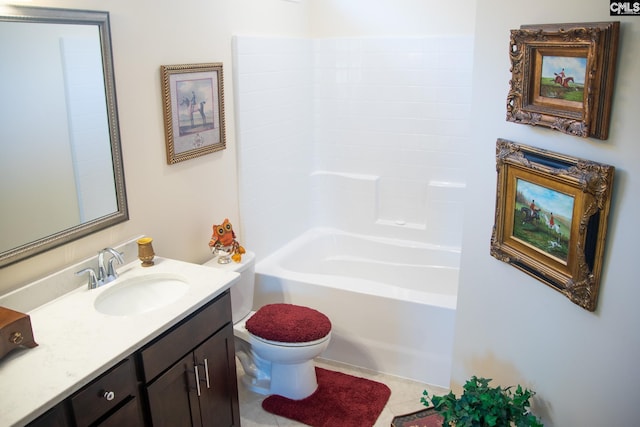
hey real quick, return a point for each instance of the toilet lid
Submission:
(289, 323)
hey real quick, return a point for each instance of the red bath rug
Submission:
(340, 400)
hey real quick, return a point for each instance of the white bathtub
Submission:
(391, 302)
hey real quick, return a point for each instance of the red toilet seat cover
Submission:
(289, 323)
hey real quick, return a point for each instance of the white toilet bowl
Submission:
(282, 366)
(257, 371)
(275, 367)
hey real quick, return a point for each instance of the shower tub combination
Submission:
(391, 302)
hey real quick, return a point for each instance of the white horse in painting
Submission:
(554, 227)
(553, 244)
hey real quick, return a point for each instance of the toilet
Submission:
(276, 344)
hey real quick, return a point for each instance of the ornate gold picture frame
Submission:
(193, 98)
(551, 218)
(563, 76)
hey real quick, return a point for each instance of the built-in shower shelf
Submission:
(402, 224)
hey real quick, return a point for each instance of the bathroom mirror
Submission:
(61, 167)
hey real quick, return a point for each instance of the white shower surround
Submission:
(365, 135)
(319, 121)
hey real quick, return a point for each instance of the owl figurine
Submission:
(224, 239)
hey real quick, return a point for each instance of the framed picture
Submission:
(193, 96)
(563, 75)
(551, 218)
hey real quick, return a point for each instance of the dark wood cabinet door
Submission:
(127, 416)
(56, 417)
(215, 358)
(185, 336)
(173, 400)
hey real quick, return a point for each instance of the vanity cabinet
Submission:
(185, 377)
(190, 373)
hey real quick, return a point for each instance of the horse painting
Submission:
(529, 215)
(192, 108)
(561, 80)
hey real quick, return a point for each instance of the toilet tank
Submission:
(242, 290)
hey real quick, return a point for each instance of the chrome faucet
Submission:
(93, 282)
(108, 274)
(104, 275)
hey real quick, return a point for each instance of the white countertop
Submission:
(76, 343)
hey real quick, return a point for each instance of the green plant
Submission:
(482, 406)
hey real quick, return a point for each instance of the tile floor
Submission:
(405, 397)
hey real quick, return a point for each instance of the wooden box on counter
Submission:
(15, 331)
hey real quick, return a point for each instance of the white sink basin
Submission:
(141, 294)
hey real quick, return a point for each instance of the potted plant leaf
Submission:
(481, 405)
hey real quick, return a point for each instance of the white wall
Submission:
(381, 18)
(175, 204)
(511, 327)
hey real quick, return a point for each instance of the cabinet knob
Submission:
(109, 395)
